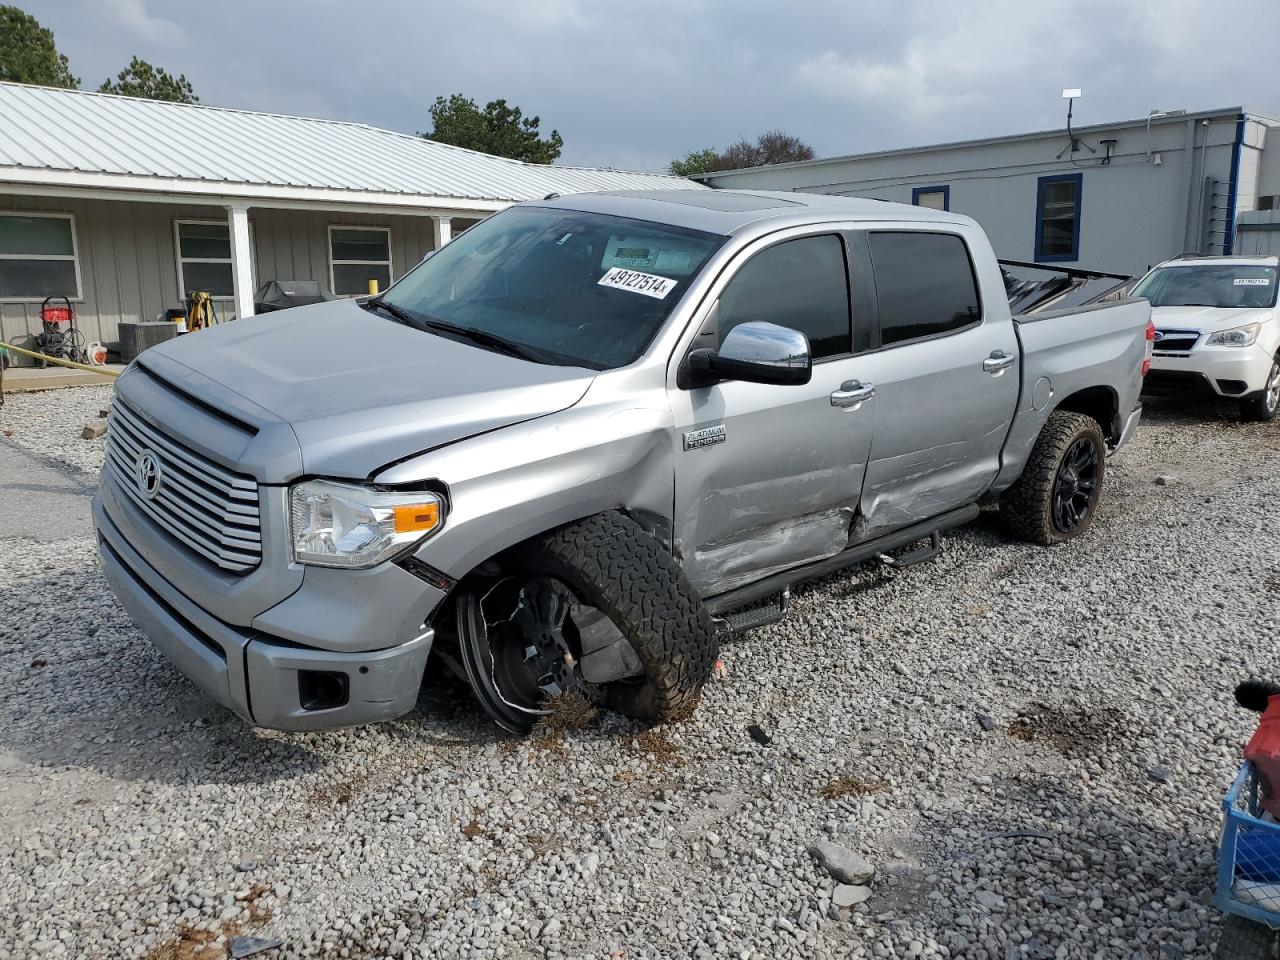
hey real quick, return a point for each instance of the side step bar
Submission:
(912, 557)
(754, 593)
(749, 618)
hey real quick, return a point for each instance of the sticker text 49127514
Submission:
(650, 284)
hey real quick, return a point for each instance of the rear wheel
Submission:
(597, 609)
(1244, 940)
(1262, 406)
(1056, 497)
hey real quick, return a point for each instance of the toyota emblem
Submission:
(146, 470)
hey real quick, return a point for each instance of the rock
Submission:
(244, 866)
(1160, 774)
(550, 929)
(758, 735)
(842, 863)
(240, 946)
(989, 899)
(93, 429)
(985, 722)
(1161, 481)
(848, 895)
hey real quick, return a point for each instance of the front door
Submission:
(768, 477)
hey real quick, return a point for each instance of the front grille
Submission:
(1174, 341)
(207, 508)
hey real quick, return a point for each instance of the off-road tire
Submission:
(613, 564)
(1244, 940)
(1026, 508)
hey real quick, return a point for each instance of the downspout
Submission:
(1229, 233)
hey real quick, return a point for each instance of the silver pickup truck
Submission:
(578, 443)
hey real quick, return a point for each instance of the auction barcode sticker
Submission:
(1252, 282)
(650, 284)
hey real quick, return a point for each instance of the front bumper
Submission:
(1210, 371)
(262, 678)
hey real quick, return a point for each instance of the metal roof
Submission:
(78, 138)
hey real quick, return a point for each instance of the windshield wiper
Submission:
(398, 313)
(481, 338)
(484, 338)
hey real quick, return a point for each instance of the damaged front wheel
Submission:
(596, 608)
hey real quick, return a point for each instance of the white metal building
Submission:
(124, 205)
(1131, 194)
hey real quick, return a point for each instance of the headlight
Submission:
(1235, 337)
(342, 525)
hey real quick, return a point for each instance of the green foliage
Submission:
(694, 162)
(28, 53)
(772, 146)
(498, 129)
(141, 79)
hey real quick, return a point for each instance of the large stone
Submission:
(841, 863)
(848, 895)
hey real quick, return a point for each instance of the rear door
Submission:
(947, 379)
(768, 477)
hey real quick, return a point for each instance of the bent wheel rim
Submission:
(1075, 488)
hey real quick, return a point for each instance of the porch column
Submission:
(241, 260)
(442, 230)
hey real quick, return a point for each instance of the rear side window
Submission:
(924, 284)
(802, 284)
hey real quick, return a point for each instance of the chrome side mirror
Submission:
(754, 352)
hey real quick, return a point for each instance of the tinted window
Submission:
(578, 288)
(802, 284)
(1210, 284)
(924, 283)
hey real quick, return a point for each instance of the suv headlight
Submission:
(1235, 337)
(343, 525)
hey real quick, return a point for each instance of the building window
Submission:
(1058, 218)
(356, 256)
(38, 256)
(935, 198)
(204, 257)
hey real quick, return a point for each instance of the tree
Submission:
(141, 79)
(498, 129)
(772, 146)
(28, 53)
(695, 162)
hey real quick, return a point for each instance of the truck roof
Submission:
(728, 211)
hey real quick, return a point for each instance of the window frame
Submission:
(878, 343)
(840, 238)
(74, 257)
(942, 188)
(180, 259)
(389, 262)
(1041, 183)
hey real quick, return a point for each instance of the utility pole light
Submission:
(1070, 94)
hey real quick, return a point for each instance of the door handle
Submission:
(998, 361)
(852, 394)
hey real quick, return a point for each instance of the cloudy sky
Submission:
(632, 85)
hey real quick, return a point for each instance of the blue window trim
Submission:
(1041, 183)
(944, 189)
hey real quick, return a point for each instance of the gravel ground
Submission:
(1028, 745)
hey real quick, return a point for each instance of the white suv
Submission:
(1217, 330)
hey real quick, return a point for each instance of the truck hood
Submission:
(1207, 319)
(361, 391)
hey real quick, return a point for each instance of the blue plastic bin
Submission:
(1248, 855)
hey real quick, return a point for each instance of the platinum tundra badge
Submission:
(704, 437)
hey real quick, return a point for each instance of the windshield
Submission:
(1209, 285)
(584, 289)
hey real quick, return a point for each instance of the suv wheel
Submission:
(1056, 497)
(1262, 406)
(597, 608)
